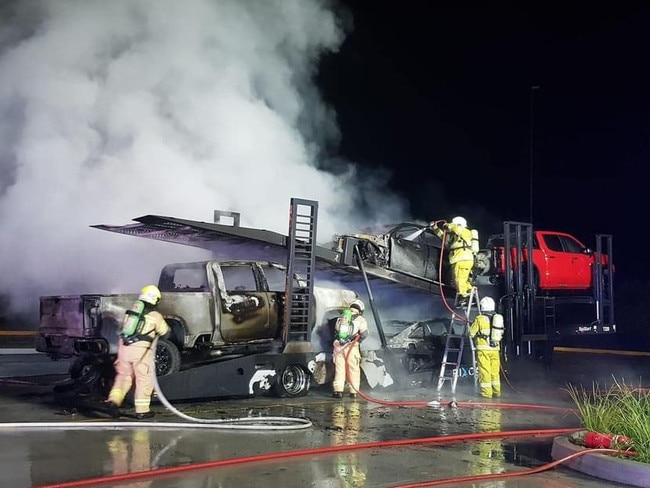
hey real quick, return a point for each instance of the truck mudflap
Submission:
(285, 375)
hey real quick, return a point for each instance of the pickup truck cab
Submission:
(560, 260)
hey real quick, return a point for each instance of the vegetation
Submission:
(618, 409)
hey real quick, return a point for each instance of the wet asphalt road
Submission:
(93, 447)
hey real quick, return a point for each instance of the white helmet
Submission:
(150, 294)
(487, 304)
(459, 221)
(358, 305)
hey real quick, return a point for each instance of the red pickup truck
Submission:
(560, 261)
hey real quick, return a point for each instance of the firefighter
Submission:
(461, 253)
(135, 355)
(350, 329)
(487, 331)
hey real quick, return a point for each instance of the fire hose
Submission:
(148, 474)
(248, 460)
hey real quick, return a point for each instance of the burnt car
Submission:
(422, 344)
(393, 327)
(409, 248)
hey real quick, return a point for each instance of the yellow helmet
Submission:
(150, 294)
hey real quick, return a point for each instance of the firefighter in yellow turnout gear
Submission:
(350, 330)
(135, 355)
(462, 246)
(487, 331)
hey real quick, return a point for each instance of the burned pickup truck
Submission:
(216, 310)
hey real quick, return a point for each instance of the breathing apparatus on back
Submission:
(497, 328)
(134, 320)
(344, 326)
(345, 323)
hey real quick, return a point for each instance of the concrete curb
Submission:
(601, 465)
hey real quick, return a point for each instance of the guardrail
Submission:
(17, 338)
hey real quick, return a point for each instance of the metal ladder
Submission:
(298, 313)
(455, 344)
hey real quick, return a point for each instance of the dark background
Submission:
(444, 97)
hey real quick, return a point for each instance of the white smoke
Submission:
(110, 110)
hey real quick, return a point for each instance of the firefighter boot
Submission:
(144, 415)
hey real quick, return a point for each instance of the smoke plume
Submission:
(110, 110)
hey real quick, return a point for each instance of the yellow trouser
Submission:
(134, 361)
(352, 354)
(462, 271)
(489, 365)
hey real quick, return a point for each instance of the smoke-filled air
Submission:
(110, 110)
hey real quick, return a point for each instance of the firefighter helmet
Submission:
(150, 294)
(358, 305)
(487, 304)
(459, 221)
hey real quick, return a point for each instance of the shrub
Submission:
(618, 409)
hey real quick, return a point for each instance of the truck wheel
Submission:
(292, 381)
(168, 357)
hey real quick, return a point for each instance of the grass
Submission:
(618, 409)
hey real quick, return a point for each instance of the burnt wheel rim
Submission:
(294, 379)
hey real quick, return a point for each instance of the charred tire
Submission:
(92, 375)
(168, 357)
(292, 381)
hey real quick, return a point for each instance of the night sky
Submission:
(444, 97)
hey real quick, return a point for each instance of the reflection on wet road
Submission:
(41, 457)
